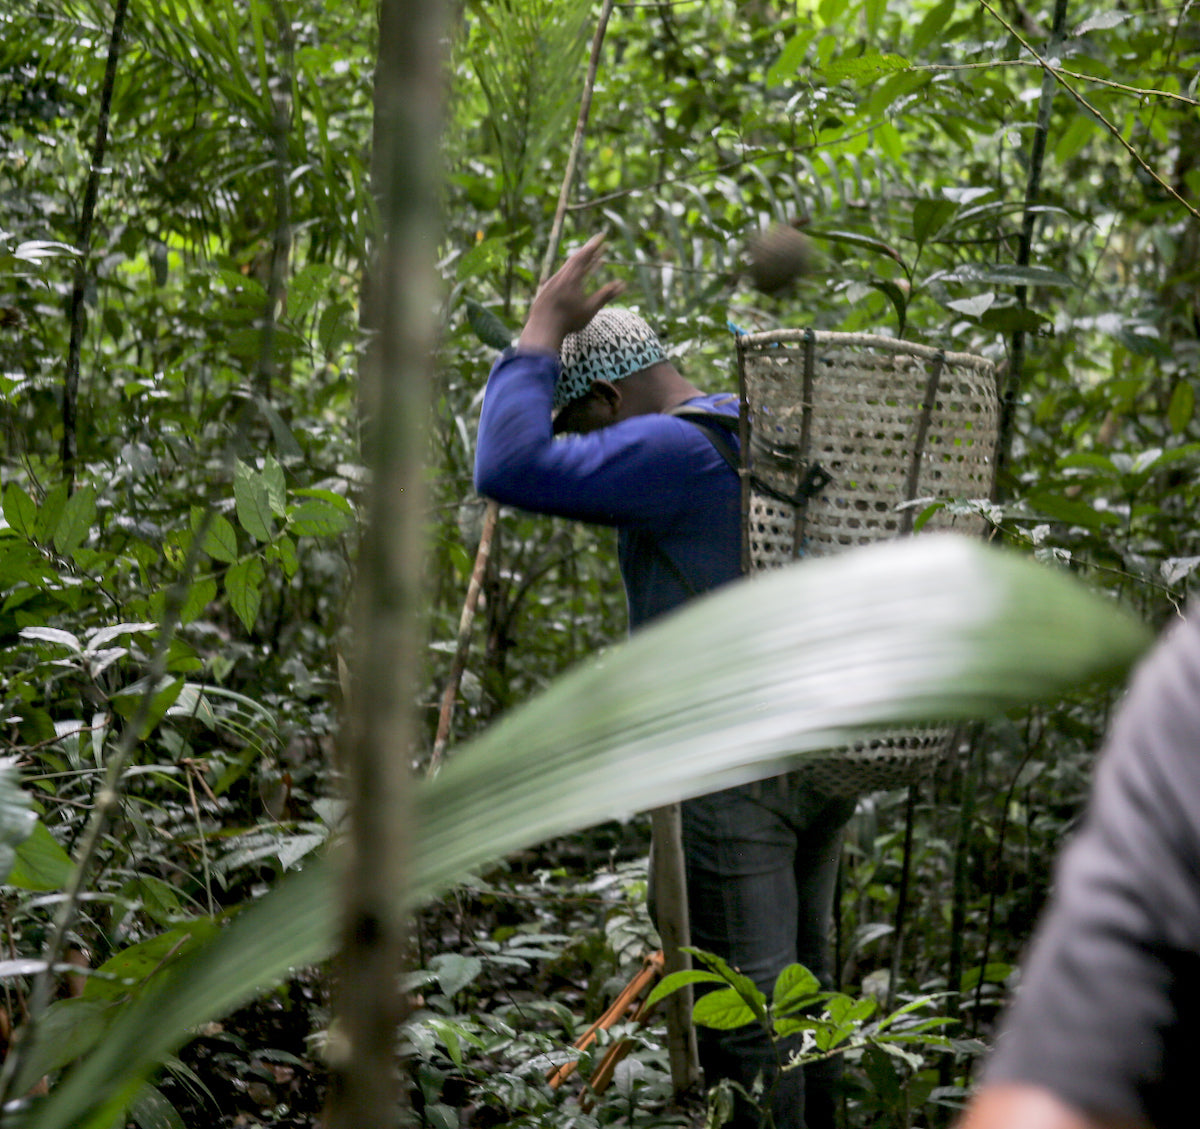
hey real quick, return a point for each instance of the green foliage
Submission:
(1011, 631)
(886, 1050)
(193, 581)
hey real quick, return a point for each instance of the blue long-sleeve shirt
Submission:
(657, 478)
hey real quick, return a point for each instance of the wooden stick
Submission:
(626, 1005)
(674, 928)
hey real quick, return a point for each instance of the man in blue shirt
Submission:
(577, 422)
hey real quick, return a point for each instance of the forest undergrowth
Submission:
(187, 218)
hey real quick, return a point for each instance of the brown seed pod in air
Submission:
(776, 257)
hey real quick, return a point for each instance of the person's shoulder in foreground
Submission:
(1103, 1032)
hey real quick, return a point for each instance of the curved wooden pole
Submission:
(483, 554)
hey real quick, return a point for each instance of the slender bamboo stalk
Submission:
(1037, 155)
(376, 741)
(483, 553)
(281, 241)
(87, 217)
(910, 812)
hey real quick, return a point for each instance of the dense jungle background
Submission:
(185, 222)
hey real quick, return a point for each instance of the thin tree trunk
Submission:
(1011, 392)
(87, 216)
(380, 729)
(910, 815)
(280, 101)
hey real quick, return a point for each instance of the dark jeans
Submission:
(761, 868)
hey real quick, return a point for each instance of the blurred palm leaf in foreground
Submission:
(734, 687)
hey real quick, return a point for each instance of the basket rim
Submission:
(747, 341)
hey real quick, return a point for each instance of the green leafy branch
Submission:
(831, 1023)
(1060, 77)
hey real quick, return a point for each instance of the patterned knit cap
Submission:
(615, 343)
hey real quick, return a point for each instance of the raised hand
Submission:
(563, 305)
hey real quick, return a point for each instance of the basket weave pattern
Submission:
(885, 427)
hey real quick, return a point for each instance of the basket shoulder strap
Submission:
(716, 426)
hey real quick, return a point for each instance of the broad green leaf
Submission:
(285, 440)
(742, 683)
(873, 11)
(905, 1009)
(54, 635)
(133, 966)
(930, 28)
(253, 502)
(1181, 407)
(455, 971)
(1101, 22)
(305, 287)
(317, 518)
(996, 972)
(791, 57)
(66, 1030)
(41, 863)
(889, 141)
(897, 295)
(282, 552)
(1008, 275)
(854, 239)
(158, 899)
(1053, 505)
(738, 981)
(105, 635)
(292, 848)
(1072, 139)
(1089, 460)
(331, 497)
(794, 985)
(487, 326)
(786, 1025)
(131, 700)
(17, 818)
(844, 1010)
(723, 1009)
(193, 703)
(220, 540)
(1009, 319)
(892, 89)
(276, 484)
(20, 510)
(449, 1037)
(677, 980)
(480, 259)
(863, 68)
(243, 585)
(200, 594)
(152, 1110)
(50, 511)
(76, 519)
(929, 217)
(973, 307)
